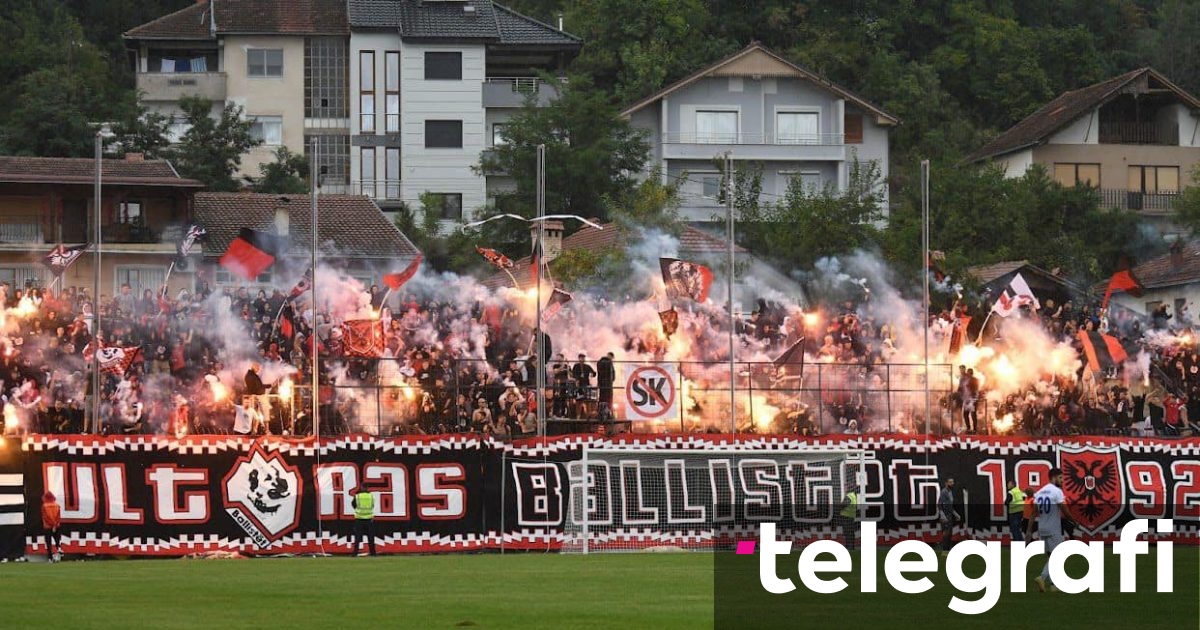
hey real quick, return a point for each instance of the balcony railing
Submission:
(1137, 133)
(373, 188)
(811, 139)
(128, 233)
(20, 233)
(171, 86)
(512, 91)
(1149, 203)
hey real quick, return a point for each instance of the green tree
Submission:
(285, 175)
(1186, 210)
(143, 131)
(649, 204)
(592, 153)
(211, 150)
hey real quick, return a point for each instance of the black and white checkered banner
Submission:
(152, 495)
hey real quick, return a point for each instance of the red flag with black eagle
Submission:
(670, 321)
(250, 253)
(686, 279)
(1102, 351)
(557, 300)
(500, 261)
(363, 338)
(396, 280)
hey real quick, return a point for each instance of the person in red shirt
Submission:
(51, 520)
(1172, 406)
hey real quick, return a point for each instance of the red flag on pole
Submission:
(1123, 280)
(396, 280)
(250, 253)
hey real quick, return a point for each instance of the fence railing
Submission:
(20, 232)
(718, 137)
(1160, 202)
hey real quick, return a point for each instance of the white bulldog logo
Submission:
(262, 495)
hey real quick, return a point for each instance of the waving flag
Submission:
(558, 299)
(535, 263)
(194, 234)
(363, 338)
(62, 257)
(113, 359)
(685, 279)
(396, 280)
(1103, 352)
(1014, 296)
(1123, 280)
(670, 321)
(500, 261)
(250, 253)
(302, 287)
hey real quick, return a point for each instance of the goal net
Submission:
(643, 499)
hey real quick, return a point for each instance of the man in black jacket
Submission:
(606, 375)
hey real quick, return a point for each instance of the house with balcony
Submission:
(432, 83)
(144, 207)
(766, 110)
(285, 62)
(1135, 137)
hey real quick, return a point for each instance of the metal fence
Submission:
(814, 398)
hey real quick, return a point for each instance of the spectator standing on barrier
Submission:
(583, 374)
(562, 382)
(1016, 508)
(947, 515)
(606, 375)
(364, 519)
(968, 389)
(256, 393)
(51, 521)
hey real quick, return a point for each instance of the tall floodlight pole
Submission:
(925, 253)
(539, 253)
(729, 283)
(312, 336)
(96, 291)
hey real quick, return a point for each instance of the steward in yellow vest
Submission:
(364, 519)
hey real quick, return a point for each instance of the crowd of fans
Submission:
(822, 371)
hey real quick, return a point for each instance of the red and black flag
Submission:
(302, 286)
(113, 359)
(194, 234)
(558, 299)
(670, 321)
(62, 257)
(1123, 280)
(396, 280)
(794, 355)
(535, 262)
(250, 253)
(685, 279)
(287, 322)
(1102, 351)
(500, 261)
(363, 338)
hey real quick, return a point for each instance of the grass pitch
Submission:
(531, 591)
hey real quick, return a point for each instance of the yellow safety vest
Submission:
(364, 506)
(850, 511)
(1017, 504)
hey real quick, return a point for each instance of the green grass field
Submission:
(528, 591)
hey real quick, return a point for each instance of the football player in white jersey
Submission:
(1050, 508)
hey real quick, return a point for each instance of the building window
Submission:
(713, 127)
(710, 185)
(326, 82)
(264, 62)
(797, 128)
(443, 66)
(19, 277)
(223, 277)
(448, 206)
(366, 91)
(130, 213)
(139, 278)
(392, 92)
(1153, 179)
(392, 173)
(1070, 175)
(498, 138)
(443, 134)
(367, 171)
(268, 129)
(853, 128)
(333, 158)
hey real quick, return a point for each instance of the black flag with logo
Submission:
(62, 257)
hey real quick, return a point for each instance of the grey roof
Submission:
(520, 29)
(450, 19)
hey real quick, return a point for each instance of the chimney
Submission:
(283, 217)
(560, 21)
(135, 157)
(554, 238)
(1177, 253)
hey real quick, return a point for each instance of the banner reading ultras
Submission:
(145, 495)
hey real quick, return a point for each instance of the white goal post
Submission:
(634, 499)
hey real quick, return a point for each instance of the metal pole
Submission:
(96, 294)
(729, 282)
(925, 275)
(312, 337)
(538, 344)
